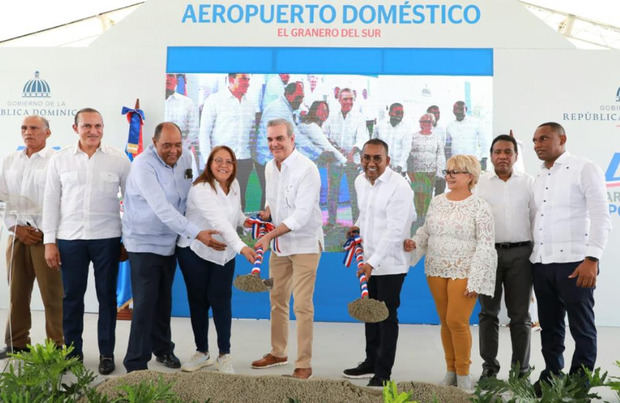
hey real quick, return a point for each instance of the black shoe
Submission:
(106, 365)
(363, 370)
(4, 353)
(169, 360)
(487, 374)
(375, 381)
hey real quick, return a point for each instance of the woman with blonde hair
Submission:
(458, 239)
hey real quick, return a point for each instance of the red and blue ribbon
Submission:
(353, 249)
(135, 117)
(259, 229)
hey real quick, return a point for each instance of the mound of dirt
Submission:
(203, 385)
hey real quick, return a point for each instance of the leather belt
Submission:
(508, 245)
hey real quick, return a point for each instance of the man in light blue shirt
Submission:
(157, 188)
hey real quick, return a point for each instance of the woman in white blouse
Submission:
(311, 127)
(458, 239)
(426, 161)
(213, 202)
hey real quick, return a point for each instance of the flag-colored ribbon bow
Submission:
(353, 249)
(259, 228)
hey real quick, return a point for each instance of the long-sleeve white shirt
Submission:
(81, 194)
(213, 209)
(292, 194)
(182, 111)
(510, 202)
(386, 214)
(467, 137)
(572, 215)
(23, 181)
(398, 139)
(226, 120)
(347, 132)
(315, 134)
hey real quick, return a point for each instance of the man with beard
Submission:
(228, 118)
(397, 135)
(571, 226)
(464, 135)
(385, 220)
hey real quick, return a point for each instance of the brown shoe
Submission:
(269, 361)
(302, 373)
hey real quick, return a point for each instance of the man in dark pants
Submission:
(82, 224)
(566, 251)
(386, 214)
(508, 192)
(157, 189)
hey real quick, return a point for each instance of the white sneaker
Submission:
(198, 360)
(449, 379)
(464, 382)
(224, 364)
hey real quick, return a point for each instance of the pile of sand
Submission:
(203, 385)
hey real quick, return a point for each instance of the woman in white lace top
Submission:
(458, 240)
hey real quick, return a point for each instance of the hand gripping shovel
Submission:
(253, 282)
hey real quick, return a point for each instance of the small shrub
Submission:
(391, 395)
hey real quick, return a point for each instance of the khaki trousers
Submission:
(454, 310)
(24, 264)
(296, 274)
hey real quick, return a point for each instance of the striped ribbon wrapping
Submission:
(353, 249)
(259, 228)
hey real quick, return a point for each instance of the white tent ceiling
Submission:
(588, 24)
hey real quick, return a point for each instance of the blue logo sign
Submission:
(36, 88)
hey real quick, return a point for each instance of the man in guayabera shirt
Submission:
(23, 176)
(82, 224)
(571, 226)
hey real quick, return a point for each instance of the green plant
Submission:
(562, 388)
(36, 376)
(391, 395)
(148, 391)
(614, 384)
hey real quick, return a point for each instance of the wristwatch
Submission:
(592, 259)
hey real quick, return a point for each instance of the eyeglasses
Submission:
(222, 161)
(426, 121)
(376, 158)
(452, 172)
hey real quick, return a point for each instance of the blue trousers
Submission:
(558, 295)
(209, 285)
(151, 286)
(76, 256)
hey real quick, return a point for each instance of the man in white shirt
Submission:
(571, 226)
(82, 224)
(440, 131)
(508, 192)
(229, 118)
(464, 135)
(397, 135)
(293, 186)
(386, 214)
(181, 110)
(23, 177)
(347, 130)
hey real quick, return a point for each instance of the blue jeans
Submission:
(558, 295)
(76, 256)
(151, 286)
(209, 285)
